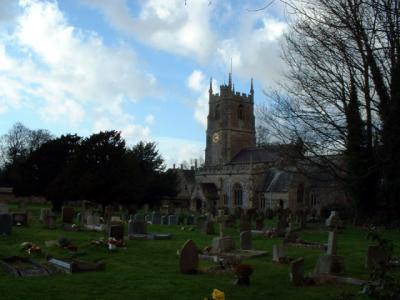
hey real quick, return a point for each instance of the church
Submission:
(239, 175)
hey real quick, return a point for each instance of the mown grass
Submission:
(149, 269)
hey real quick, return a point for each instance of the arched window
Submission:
(217, 112)
(240, 112)
(237, 195)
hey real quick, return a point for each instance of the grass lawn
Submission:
(149, 269)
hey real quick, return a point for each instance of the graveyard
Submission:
(145, 267)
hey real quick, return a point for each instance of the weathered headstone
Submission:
(245, 240)
(332, 244)
(277, 253)
(90, 219)
(333, 221)
(108, 212)
(290, 236)
(5, 224)
(50, 221)
(376, 258)
(164, 220)
(172, 220)
(156, 218)
(68, 215)
(188, 258)
(115, 219)
(19, 219)
(137, 227)
(43, 213)
(297, 271)
(79, 218)
(328, 264)
(222, 244)
(3, 208)
(116, 231)
(208, 227)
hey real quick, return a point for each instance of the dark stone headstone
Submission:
(43, 213)
(5, 224)
(164, 220)
(20, 219)
(188, 258)
(297, 271)
(376, 258)
(155, 218)
(277, 253)
(116, 231)
(209, 227)
(137, 227)
(245, 240)
(50, 221)
(68, 215)
(172, 220)
(328, 264)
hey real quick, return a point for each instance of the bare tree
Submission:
(342, 94)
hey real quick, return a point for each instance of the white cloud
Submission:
(167, 25)
(175, 151)
(195, 80)
(70, 74)
(149, 119)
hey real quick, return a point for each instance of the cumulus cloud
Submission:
(67, 71)
(197, 83)
(176, 151)
(167, 25)
(149, 119)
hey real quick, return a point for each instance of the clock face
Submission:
(215, 137)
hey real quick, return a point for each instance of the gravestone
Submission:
(222, 244)
(188, 258)
(259, 224)
(208, 227)
(90, 219)
(43, 213)
(297, 271)
(5, 224)
(116, 231)
(79, 218)
(115, 219)
(3, 208)
(108, 212)
(139, 217)
(190, 220)
(245, 240)
(376, 258)
(164, 220)
(156, 218)
(333, 222)
(290, 236)
(332, 244)
(50, 221)
(277, 253)
(19, 219)
(147, 218)
(172, 220)
(68, 215)
(137, 227)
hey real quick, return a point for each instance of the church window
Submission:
(240, 112)
(237, 195)
(217, 112)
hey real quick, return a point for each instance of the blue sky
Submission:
(142, 67)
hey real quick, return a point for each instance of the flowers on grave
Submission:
(216, 295)
(243, 272)
(30, 247)
(115, 242)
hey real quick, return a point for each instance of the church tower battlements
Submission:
(230, 123)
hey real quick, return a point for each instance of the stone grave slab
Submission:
(23, 267)
(67, 215)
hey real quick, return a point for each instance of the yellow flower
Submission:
(218, 295)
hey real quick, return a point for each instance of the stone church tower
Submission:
(230, 124)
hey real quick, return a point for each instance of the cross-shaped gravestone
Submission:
(221, 219)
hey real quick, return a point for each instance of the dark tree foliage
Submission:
(99, 168)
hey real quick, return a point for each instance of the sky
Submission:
(141, 67)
